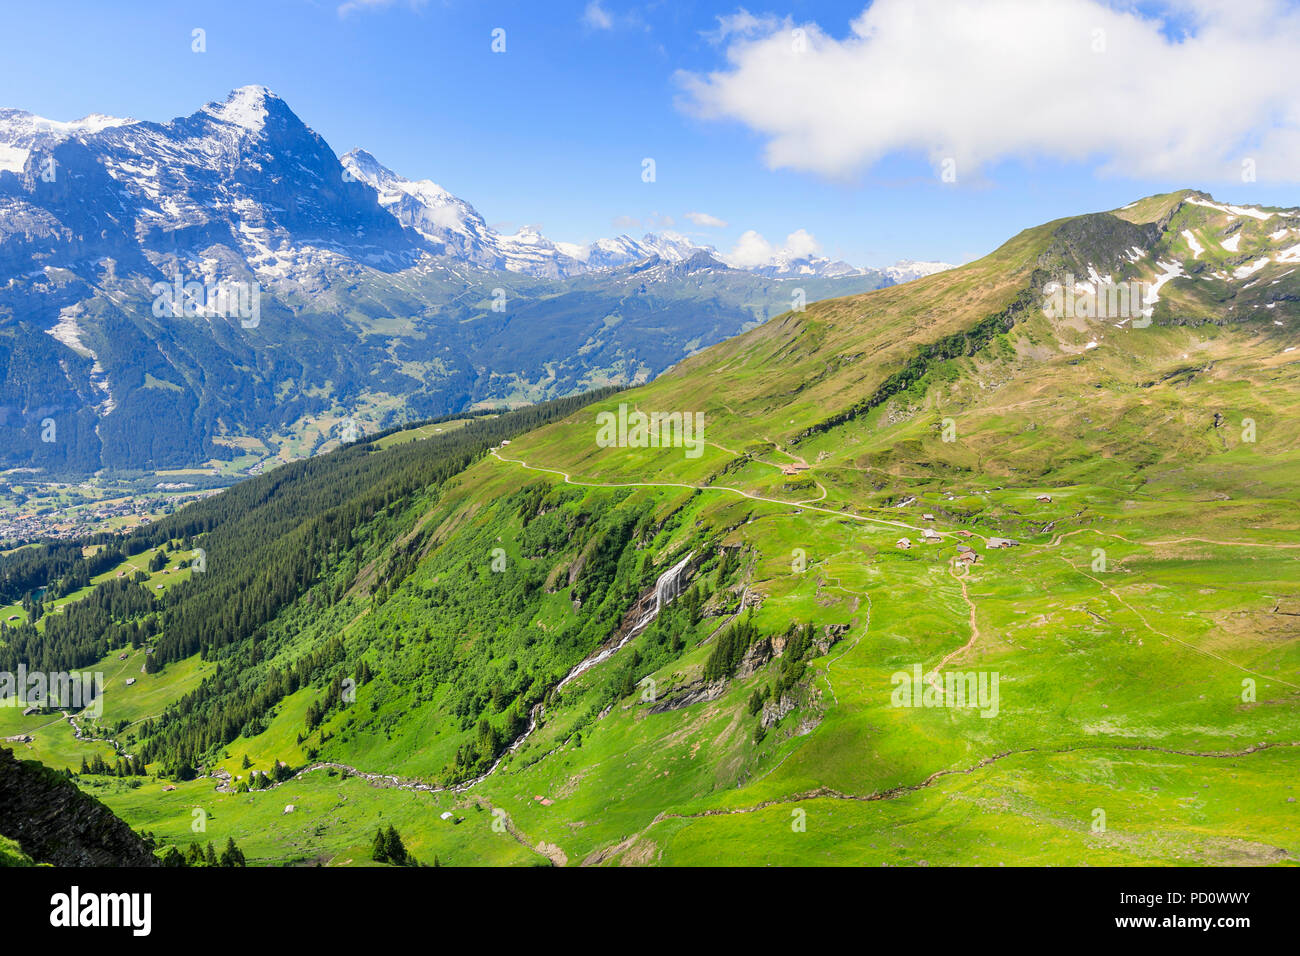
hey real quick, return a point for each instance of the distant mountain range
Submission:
(223, 287)
(455, 228)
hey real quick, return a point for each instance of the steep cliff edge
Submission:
(54, 822)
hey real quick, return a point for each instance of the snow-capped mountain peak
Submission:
(19, 124)
(21, 133)
(905, 270)
(247, 106)
(452, 226)
(455, 228)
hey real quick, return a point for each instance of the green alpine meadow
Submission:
(997, 566)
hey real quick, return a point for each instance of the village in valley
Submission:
(61, 511)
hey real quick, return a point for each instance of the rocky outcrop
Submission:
(694, 693)
(775, 710)
(829, 637)
(54, 822)
(756, 655)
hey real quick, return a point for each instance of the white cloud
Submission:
(1190, 90)
(753, 250)
(597, 17)
(707, 221)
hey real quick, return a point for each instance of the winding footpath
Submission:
(804, 506)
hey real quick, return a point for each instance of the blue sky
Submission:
(846, 140)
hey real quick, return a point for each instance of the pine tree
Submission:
(232, 855)
(379, 851)
(394, 849)
(173, 857)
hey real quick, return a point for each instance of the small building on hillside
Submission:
(905, 543)
(927, 516)
(1047, 498)
(1002, 543)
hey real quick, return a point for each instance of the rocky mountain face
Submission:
(54, 822)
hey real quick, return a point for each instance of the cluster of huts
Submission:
(966, 555)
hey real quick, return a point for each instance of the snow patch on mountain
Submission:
(1231, 210)
(13, 158)
(1169, 270)
(1250, 268)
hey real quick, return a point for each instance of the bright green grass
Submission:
(53, 742)
(1099, 808)
(332, 823)
(11, 854)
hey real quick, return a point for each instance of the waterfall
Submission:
(667, 586)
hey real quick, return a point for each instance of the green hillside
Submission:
(393, 634)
